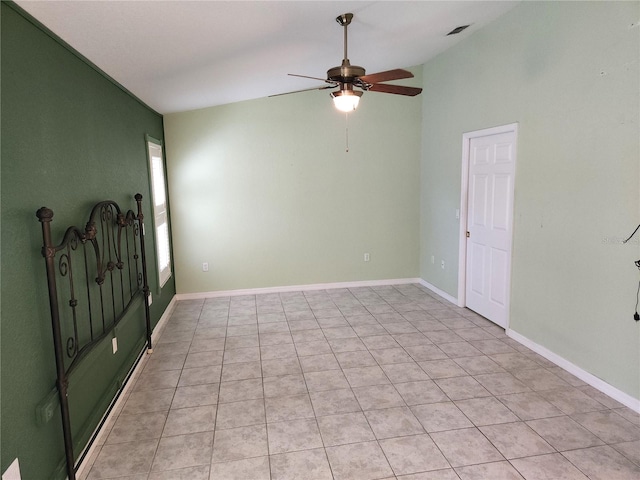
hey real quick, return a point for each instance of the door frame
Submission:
(464, 211)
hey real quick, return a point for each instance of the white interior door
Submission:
(490, 225)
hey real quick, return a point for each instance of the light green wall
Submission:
(265, 193)
(567, 72)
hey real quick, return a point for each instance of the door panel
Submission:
(501, 201)
(479, 195)
(476, 274)
(499, 276)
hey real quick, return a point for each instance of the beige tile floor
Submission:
(364, 383)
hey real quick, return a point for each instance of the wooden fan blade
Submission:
(312, 78)
(324, 87)
(395, 89)
(389, 75)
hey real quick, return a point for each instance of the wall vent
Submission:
(457, 30)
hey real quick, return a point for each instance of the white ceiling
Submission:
(182, 55)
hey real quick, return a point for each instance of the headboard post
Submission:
(45, 215)
(145, 286)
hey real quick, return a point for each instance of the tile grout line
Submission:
(313, 409)
(215, 421)
(264, 394)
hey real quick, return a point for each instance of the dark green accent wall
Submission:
(70, 137)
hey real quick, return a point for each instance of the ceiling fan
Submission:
(348, 77)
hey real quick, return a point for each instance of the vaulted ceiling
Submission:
(183, 55)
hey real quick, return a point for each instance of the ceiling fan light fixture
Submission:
(346, 100)
(347, 76)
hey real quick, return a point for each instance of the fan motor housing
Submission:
(345, 73)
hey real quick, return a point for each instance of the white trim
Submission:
(439, 292)
(98, 441)
(295, 288)
(464, 199)
(160, 211)
(13, 472)
(462, 240)
(595, 382)
(163, 320)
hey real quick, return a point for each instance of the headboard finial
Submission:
(44, 214)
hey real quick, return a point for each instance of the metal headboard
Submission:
(95, 275)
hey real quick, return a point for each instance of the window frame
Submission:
(162, 274)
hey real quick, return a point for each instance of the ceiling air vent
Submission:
(457, 30)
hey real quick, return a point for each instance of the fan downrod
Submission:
(345, 73)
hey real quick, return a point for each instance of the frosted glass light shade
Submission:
(346, 100)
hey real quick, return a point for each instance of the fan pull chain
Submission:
(346, 130)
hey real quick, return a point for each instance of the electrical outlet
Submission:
(205, 267)
(114, 344)
(47, 408)
(366, 257)
(433, 259)
(48, 411)
(13, 472)
(457, 214)
(442, 264)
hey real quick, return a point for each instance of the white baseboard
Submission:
(439, 292)
(163, 320)
(595, 382)
(88, 459)
(295, 288)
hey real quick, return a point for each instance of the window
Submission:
(160, 217)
